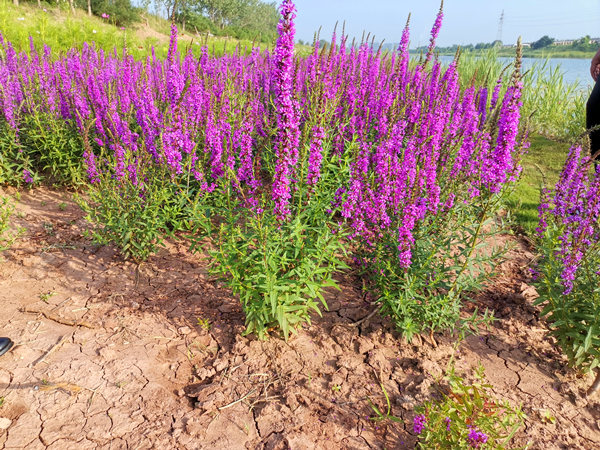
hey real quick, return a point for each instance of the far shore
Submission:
(527, 53)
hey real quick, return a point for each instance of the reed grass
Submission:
(556, 109)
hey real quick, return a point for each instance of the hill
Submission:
(61, 29)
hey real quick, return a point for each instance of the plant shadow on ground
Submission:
(314, 389)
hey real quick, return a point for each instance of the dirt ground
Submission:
(108, 356)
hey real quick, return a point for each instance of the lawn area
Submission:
(541, 166)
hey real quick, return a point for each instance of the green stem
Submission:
(472, 248)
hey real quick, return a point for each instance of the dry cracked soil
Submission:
(111, 355)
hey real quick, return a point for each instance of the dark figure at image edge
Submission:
(5, 345)
(593, 106)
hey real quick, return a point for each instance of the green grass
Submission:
(541, 166)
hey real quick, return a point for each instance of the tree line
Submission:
(585, 43)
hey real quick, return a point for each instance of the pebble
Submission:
(4, 423)
(185, 330)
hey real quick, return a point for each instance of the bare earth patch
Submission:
(109, 355)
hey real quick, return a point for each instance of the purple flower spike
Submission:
(27, 178)
(419, 423)
(288, 131)
(476, 438)
(435, 31)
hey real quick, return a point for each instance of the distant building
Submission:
(564, 42)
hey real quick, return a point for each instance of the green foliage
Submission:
(121, 12)
(465, 407)
(242, 19)
(53, 148)
(380, 415)
(204, 323)
(542, 42)
(12, 162)
(279, 269)
(135, 217)
(585, 44)
(555, 108)
(448, 259)
(541, 166)
(574, 319)
(45, 147)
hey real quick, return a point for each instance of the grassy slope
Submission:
(62, 30)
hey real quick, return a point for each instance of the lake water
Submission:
(575, 70)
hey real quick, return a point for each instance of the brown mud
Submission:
(111, 355)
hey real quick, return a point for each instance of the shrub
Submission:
(118, 12)
(279, 269)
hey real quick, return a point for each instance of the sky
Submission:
(465, 21)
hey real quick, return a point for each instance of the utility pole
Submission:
(500, 25)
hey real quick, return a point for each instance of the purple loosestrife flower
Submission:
(288, 131)
(403, 55)
(315, 155)
(476, 438)
(575, 208)
(501, 159)
(543, 211)
(27, 178)
(434, 33)
(496, 93)
(419, 423)
(92, 171)
(482, 97)
(448, 421)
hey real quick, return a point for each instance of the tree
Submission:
(542, 42)
(121, 12)
(251, 19)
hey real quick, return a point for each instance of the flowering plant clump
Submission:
(282, 162)
(567, 272)
(467, 416)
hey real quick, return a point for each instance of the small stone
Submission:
(4, 423)
(364, 345)
(220, 364)
(185, 330)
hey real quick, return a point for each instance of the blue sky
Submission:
(465, 21)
